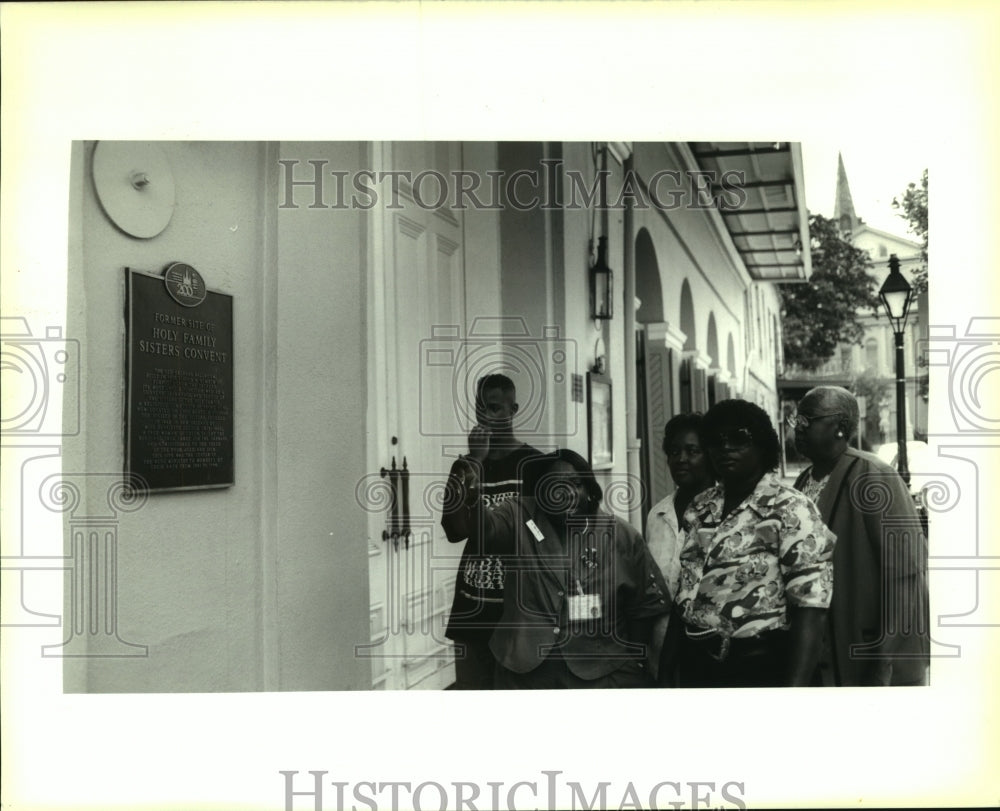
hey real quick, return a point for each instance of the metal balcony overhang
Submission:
(760, 194)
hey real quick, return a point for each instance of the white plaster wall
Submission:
(321, 549)
(762, 362)
(907, 251)
(687, 247)
(189, 573)
(242, 588)
(482, 240)
(527, 278)
(545, 280)
(581, 331)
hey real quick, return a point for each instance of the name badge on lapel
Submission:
(584, 606)
(534, 529)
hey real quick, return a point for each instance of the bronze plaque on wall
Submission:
(179, 381)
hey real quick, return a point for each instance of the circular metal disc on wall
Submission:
(135, 186)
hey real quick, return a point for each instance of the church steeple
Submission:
(843, 209)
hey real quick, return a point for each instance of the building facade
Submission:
(372, 284)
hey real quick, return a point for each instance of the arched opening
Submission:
(715, 389)
(647, 280)
(712, 344)
(654, 373)
(693, 380)
(687, 317)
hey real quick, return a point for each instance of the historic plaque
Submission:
(179, 386)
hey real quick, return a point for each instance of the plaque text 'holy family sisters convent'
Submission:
(179, 381)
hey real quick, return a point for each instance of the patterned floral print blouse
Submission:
(739, 574)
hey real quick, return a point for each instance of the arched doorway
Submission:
(688, 325)
(655, 370)
(715, 389)
(712, 344)
(648, 289)
(693, 378)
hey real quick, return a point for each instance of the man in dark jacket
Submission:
(878, 632)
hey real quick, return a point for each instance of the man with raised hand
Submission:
(497, 458)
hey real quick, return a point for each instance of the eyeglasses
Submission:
(733, 438)
(802, 421)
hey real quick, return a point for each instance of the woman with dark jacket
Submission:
(581, 588)
(878, 625)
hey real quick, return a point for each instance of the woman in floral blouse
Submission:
(756, 566)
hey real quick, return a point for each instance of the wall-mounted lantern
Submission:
(601, 284)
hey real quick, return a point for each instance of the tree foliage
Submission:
(873, 390)
(820, 314)
(913, 208)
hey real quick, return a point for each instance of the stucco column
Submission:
(633, 446)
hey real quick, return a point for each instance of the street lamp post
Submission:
(896, 295)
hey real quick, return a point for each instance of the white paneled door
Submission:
(416, 315)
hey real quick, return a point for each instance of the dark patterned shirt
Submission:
(478, 601)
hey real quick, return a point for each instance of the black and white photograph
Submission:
(341, 401)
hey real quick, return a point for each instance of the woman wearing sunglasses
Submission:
(756, 566)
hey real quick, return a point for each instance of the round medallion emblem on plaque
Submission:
(184, 284)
